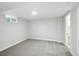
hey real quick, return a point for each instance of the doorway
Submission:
(68, 30)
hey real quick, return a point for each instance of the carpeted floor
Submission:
(32, 47)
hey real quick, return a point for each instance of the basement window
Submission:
(11, 19)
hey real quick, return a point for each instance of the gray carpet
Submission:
(32, 47)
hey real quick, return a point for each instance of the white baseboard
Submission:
(12, 45)
(70, 50)
(46, 39)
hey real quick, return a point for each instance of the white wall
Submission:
(48, 29)
(11, 33)
(78, 31)
(75, 31)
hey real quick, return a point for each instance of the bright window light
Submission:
(11, 19)
(34, 13)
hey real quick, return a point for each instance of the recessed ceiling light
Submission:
(34, 13)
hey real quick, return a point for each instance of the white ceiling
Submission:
(44, 9)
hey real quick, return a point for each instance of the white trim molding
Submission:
(12, 45)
